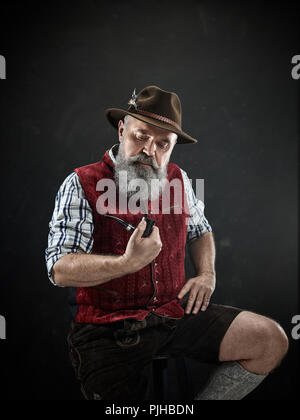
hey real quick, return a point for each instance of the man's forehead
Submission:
(136, 124)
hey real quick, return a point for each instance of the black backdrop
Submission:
(230, 63)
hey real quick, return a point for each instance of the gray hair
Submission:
(127, 118)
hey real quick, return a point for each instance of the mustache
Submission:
(141, 157)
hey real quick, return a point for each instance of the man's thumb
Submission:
(140, 229)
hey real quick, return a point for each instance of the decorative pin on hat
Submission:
(133, 99)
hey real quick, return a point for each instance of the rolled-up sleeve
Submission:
(198, 225)
(71, 226)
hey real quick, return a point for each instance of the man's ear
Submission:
(120, 129)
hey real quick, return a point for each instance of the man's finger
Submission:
(190, 303)
(198, 303)
(206, 302)
(155, 233)
(139, 230)
(184, 290)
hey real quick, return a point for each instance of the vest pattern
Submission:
(155, 287)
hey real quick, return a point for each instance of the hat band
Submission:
(159, 117)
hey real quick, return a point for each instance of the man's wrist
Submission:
(206, 272)
(128, 266)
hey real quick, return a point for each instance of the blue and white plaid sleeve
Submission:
(197, 224)
(71, 226)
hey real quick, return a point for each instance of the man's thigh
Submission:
(199, 336)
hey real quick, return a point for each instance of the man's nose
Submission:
(150, 149)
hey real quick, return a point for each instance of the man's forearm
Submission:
(88, 270)
(203, 253)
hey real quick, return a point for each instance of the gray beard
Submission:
(153, 178)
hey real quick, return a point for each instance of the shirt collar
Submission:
(113, 152)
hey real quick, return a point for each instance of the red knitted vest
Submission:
(153, 288)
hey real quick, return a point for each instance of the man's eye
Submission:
(140, 138)
(163, 145)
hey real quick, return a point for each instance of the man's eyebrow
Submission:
(147, 132)
(143, 131)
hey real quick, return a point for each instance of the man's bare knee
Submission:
(259, 342)
(277, 344)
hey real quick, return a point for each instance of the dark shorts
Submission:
(114, 361)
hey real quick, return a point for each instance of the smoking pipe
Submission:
(128, 226)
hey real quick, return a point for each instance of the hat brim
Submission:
(114, 115)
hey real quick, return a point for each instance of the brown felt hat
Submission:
(153, 106)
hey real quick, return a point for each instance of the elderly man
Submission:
(127, 288)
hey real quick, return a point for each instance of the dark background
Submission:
(230, 63)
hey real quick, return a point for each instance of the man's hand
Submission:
(141, 251)
(201, 289)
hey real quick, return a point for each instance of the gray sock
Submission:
(230, 381)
